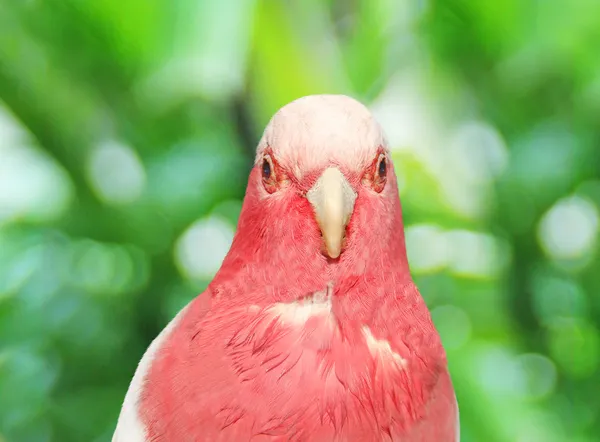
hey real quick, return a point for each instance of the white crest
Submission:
(318, 129)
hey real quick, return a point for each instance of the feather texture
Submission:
(287, 344)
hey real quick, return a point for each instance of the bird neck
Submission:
(277, 252)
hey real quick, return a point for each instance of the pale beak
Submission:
(332, 199)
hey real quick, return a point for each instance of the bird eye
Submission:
(266, 169)
(270, 174)
(382, 168)
(379, 173)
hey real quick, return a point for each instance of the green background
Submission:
(127, 131)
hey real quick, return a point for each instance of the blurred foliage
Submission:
(127, 131)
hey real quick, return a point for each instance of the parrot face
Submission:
(312, 329)
(322, 198)
(327, 154)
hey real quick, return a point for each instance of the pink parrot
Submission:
(312, 329)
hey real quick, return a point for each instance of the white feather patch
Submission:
(130, 427)
(297, 313)
(382, 348)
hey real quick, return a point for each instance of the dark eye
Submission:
(266, 169)
(382, 168)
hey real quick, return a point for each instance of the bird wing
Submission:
(130, 427)
(457, 423)
(402, 328)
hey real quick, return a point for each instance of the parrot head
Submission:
(322, 198)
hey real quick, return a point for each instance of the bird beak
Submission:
(332, 199)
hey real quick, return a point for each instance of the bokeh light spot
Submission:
(32, 185)
(476, 254)
(540, 375)
(569, 229)
(477, 152)
(116, 173)
(499, 373)
(200, 250)
(427, 248)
